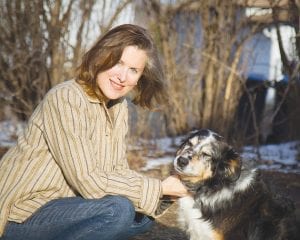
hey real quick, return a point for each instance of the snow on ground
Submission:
(8, 132)
(280, 157)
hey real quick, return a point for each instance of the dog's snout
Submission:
(182, 161)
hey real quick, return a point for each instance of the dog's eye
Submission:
(205, 154)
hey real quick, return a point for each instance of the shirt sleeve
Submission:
(65, 122)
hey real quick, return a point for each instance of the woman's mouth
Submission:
(116, 85)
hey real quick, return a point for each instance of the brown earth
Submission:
(166, 227)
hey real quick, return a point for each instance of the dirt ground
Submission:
(166, 227)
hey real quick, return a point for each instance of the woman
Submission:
(68, 177)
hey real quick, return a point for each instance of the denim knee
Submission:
(123, 208)
(110, 224)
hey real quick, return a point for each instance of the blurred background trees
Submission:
(202, 44)
(41, 44)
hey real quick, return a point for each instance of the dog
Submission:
(228, 200)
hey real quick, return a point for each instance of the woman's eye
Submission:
(134, 70)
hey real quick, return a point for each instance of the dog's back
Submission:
(253, 213)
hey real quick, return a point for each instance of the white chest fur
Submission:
(190, 220)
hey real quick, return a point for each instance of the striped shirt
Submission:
(73, 146)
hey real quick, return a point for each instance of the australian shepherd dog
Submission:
(228, 200)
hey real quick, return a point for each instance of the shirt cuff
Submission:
(151, 193)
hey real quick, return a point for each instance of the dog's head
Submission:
(205, 157)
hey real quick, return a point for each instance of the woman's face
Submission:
(117, 81)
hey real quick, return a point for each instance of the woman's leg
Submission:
(141, 224)
(108, 218)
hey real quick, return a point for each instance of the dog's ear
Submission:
(229, 168)
(233, 165)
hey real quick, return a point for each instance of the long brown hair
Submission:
(108, 50)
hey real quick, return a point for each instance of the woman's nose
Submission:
(122, 74)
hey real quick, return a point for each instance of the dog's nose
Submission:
(182, 162)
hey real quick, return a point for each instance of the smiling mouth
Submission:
(116, 86)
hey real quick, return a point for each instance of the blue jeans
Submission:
(108, 218)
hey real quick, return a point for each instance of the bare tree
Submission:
(291, 68)
(22, 58)
(41, 43)
(202, 44)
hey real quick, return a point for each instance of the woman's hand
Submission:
(172, 186)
